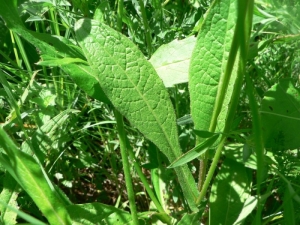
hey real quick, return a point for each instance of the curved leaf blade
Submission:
(27, 172)
(133, 86)
(195, 152)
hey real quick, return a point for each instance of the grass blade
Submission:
(27, 172)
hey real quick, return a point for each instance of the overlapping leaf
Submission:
(171, 61)
(208, 63)
(231, 186)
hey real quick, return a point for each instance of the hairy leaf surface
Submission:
(208, 63)
(133, 86)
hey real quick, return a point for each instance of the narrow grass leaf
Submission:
(195, 152)
(229, 192)
(31, 178)
(61, 62)
(171, 61)
(80, 73)
(133, 86)
(186, 119)
(203, 133)
(43, 139)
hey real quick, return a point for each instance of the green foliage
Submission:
(229, 81)
(171, 61)
(232, 186)
(280, 116)
(209, 80)
(133, 87)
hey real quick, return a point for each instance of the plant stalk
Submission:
(240, 41)
(126, 166)
(147, 28)
(166, 218)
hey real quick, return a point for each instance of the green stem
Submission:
(22, 52)
(147, 28)
(120, 14)
(256, 121)
(166, 218)
(240, 40)
(202, 170)
(222, 89)
(258, 140)
(126, 166)
(15, 49)
(54, 22)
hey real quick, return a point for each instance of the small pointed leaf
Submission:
(195, 152)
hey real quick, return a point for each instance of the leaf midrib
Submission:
(138, 91)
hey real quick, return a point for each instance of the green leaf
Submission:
(190, 219)
(80, 73)
(203, 133)
(43, 139)
(208, 65)
(171, 61)
(195, 152)
(288, 208)
(9, 196)
(97, 213)
(248, 207)
(132, 85)
(61, 62)
(229, 192)
(23, 215)
(186, 119)
(280, 116)
(28, 173)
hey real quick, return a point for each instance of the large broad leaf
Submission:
(28, 173)
(133, 86)
(230, 190)
(171, 61)
(80, 73)
(208, 63)
(280, 116)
